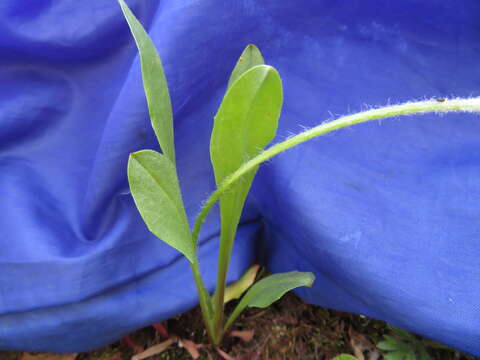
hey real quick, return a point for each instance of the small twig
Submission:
(245, 335)
(255, 315)
(161, 330)
(262, 345)
(156, 349)
(190, 346)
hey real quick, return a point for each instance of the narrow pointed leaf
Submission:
(155, 189)
(154, 83)
(246, 122)
(250, 57)
(270, 289)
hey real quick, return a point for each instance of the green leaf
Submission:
(268, 290)
(345, 357)
(250, 57)
(236, 289)
(403, 334)
(273, 287)
(247, 119)
(436, 345)
(410, 356)
(424, 354)
(390, 344)
(246, 122)
(396, 355)
(387, 345)
(154, 83)
(155, 189)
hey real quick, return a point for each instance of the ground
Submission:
(289, 329)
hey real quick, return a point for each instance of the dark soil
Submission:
(289, 329)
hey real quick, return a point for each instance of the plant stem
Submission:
(218, 298)
(215, 327)
(205, 301)
(231, 319)
(410, 108)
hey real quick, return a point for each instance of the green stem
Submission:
(231, 319)
(218, 298)
(205, 301)
(215, 326)
(420, 107)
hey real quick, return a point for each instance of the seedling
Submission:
(244, 125)
(402, 346)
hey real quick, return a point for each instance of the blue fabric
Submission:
(386, 214)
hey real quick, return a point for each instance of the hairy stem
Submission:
(215, 321)
(205, 301)
(218, 298)
(410, 108)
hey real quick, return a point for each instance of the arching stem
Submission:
(410, 108)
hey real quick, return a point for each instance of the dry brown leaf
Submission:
(245, 335)
(154, 350)
(238, 288)
(191, 347)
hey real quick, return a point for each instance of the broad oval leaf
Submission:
(268, 290)
(154, 83)
(247, 119)
(155, 189)
(245, 123)
(250, 57)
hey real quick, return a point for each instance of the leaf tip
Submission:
(270, 68)
(133, 156)
(254, 52)
(311, 279)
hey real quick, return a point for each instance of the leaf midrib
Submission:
(179, 211)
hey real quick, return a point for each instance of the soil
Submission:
(289, 329)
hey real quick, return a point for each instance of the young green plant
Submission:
(402, 345)
(244, 125)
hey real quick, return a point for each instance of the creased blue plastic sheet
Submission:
(386, 214)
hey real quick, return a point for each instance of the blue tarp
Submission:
(386, 214)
